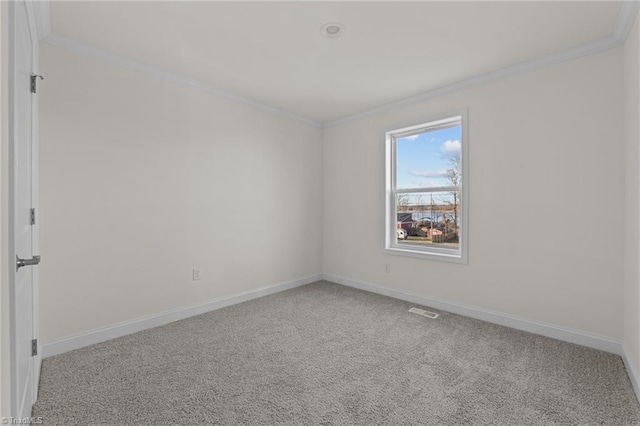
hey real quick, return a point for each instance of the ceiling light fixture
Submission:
(332, 30)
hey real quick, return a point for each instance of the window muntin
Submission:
(425, 177)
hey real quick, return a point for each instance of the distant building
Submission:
(405, 221)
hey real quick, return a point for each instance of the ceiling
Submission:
(273, 53)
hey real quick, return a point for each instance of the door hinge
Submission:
(32, 216)
(34, 347)
(34, 77)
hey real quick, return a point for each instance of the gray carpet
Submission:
(328, 354)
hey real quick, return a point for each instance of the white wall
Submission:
(142, 180)
(546, 189)
(631, 71)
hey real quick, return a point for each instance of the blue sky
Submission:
(422, 160)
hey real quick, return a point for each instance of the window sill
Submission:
(439, 256)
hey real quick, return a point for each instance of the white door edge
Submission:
(12, 404)
(35, 229)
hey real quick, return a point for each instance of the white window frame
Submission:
(391, 246)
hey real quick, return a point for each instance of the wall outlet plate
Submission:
(197, 276)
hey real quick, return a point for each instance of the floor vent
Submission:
(424, 313)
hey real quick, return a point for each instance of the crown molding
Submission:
(42, 17)
(544, 61)
(626, 17)
(628, 13)
(86, 50)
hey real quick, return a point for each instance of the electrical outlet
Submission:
(387, 268)
(197, 276)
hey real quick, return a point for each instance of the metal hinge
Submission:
(34, 347)
(34, 77)
(33, 216)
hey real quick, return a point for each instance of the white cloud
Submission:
(426, 182)
(450, 148)
(429, 173)
(412, 137)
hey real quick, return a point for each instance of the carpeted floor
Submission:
(328, 354)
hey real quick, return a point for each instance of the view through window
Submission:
(424, 187)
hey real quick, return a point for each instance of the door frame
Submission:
(9, 401)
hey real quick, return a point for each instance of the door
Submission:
(24, 365)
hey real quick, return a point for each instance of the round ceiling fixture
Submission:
(332, 30)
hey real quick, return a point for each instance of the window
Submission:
(426, 183)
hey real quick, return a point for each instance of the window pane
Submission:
(429, 219)
(429, 159)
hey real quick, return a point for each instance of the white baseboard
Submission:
(548, 330)
(632, 372)
(133, 326)
(128, 327)
(124, 328)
